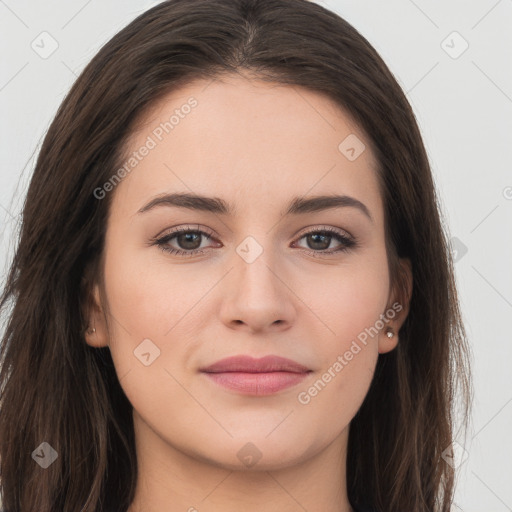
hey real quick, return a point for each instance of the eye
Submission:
(320, 240)
(189, 238)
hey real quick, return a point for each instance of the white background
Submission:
(463, 106)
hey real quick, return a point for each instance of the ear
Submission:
(399, 303)
(96, 333)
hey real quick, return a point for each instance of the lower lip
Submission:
(259, 384)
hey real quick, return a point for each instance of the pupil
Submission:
(316, 235)
(187, 238)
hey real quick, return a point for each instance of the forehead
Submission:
(251, 142)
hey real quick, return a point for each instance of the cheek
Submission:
(349, 300)
(150, 306)
(350, 307)
(158, 309)
(150, 294)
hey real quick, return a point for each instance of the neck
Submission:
(171, 480)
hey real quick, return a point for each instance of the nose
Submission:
(258, 297)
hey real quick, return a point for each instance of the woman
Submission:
(232, 288)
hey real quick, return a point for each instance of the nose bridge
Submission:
(256, 267)
(258, 296)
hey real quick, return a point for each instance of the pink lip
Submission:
(264, 376)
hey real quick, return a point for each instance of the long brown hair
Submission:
(57, 389)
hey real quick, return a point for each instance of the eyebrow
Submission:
(298, 205)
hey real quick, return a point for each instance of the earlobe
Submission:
(96, 334)
(90, 336)
(388, 340)
(399, 303)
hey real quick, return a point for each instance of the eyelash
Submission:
(348, 243)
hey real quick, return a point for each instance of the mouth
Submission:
(259, 377)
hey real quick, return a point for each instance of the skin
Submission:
(255, 145)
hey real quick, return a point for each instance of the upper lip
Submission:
(249, 364)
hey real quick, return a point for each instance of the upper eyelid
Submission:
(187, 228)
(314, 228)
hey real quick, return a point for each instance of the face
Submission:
(252, 273)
